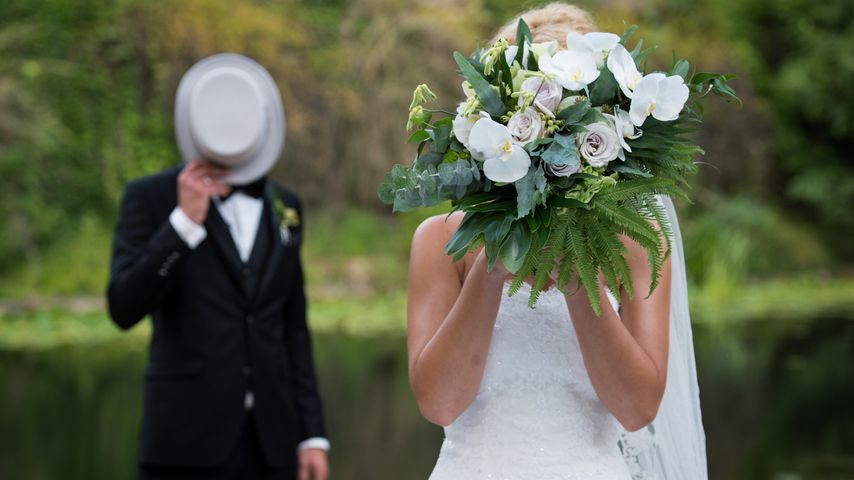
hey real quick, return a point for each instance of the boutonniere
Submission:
(288, 218)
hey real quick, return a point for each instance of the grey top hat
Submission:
(228, 110)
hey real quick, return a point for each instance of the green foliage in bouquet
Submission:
(556, 154)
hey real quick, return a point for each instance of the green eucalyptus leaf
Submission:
(441, 135)
(574, 113)
(681, 68)
(418, 136)
(530, 190)
(531, 146)
(458, 173)
(428, 187)
(429, 158)
(562, 151)
(400, 188)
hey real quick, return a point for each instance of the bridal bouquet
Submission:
(556, 153)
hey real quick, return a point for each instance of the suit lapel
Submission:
(269, 215)
(218, 229)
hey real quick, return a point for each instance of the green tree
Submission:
(801, 62)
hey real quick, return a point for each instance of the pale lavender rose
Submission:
(547, 94)
(599, 144)
(562, 170)
(525, 126)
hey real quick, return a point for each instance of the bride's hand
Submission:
(498, 271)
(570, 282)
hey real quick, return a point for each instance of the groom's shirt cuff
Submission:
(190, 232)
(314, 442)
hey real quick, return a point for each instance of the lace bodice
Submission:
(536, 415)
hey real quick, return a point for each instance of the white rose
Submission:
(599, 144)
(563, 169)
(525, 126)
(546, 93)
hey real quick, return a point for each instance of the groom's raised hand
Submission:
(313, 464)
(196, 183)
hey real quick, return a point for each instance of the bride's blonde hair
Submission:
(550, 22)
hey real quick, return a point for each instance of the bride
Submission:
(553, 392)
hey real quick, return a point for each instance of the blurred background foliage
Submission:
(86, 92)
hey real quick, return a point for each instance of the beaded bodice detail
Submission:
(536, 415)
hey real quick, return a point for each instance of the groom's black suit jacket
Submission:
(220, 328)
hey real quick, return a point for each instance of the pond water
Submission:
(778, 403)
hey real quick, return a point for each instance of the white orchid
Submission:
(658, 95)
(596, 44)
(545, 48)
(625, 70)
(537, 49)
(512, 50)
(462, 124)
(503, 161)
(573, 70)
(624, 128)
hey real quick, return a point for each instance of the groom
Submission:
(211, 251)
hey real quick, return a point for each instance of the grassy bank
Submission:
(789, 305)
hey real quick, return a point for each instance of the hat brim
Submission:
(266, 155)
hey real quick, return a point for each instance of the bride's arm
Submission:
(626, 354)
(450, 323)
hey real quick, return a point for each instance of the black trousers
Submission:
(247, 462)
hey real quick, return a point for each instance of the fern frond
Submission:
(628, 221)
(657, 211)
(635, 224)
(628, 189)
(585, 266)
(545, 265)
(611, 252)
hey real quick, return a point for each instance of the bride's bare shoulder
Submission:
(428, 261)
(434, 232)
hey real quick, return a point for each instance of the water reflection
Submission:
(776, 399)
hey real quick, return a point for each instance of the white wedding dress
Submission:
(537, 417)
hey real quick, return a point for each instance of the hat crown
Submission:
(227, 115)
(228, 110)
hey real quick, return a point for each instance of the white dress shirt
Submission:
(242, 214)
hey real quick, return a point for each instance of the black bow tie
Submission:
(254, 189)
